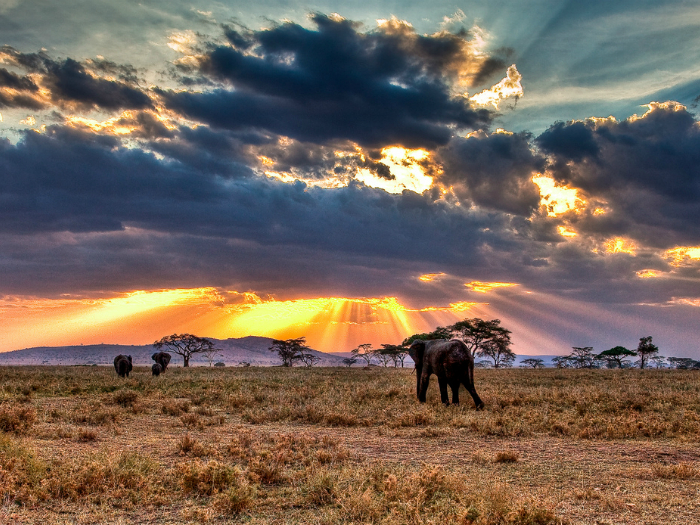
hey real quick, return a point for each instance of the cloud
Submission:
(336, 82)
(493, 170)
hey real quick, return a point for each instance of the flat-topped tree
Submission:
(497, 350)
(617, 355)
(185, 345)
(364, 351)
(289, 350)
(532, 362)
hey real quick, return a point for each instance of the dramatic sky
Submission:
(350, 171)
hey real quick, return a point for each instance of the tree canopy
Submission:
(289, 350)
(617, 356)
(532, 362)
(185, 345)
(646, 349)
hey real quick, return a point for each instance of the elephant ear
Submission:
(416, 350)
(154, 356)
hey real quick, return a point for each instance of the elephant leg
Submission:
(424, 382)
(477, 400)
(455, 393)
(443, 390)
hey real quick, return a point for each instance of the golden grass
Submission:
(275, 445)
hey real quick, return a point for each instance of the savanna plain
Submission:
(338, 445)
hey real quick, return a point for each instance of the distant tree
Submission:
(349, 361)
(658, 360)
(616, 356)
(484, 363)
(212, 354)
(244, 364)
(185, 345)
(562, 361)
(397, 353)
(382, 356)
(220, 364)
(532, 362)
(682, 363)
(478, 334)
(646, 349)
(309, 359)
(364, 351)
(583, 357)
(289, 350)
(498, 351)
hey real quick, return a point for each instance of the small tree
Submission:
(289, 350)
(583, 357)
(364, 351)
(382, 356)
(397, 353)
(185, 345)
(532, 362)
(349, 361)
(212, 354)
(309, 359)
(646, 350)
(562, 361)
(658, 360)
(682, 363)
(616, 356)
(498, 351)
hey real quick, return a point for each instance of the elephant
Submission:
(123, 365)
(451, 362)
(156, 369)
(162, 358)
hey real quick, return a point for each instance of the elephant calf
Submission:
(162, 359)
(156, 369)
(451, 362)
(123, 365)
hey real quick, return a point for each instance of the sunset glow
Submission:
(557, 199)
(483, 287)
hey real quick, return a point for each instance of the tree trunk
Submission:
(186, 358)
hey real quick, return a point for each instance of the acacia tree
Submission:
(562, 361)
(382, 356)
(364, 351)
(349, 361)
(583, 357)
(441, 332)
(478, 334)
(617, 355)
(646, 350)
(309, 359)
(289, 350)
(185, 345)
(211, 354)
(498, 351)
(532, 362)
(397, 353)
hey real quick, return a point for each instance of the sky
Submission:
(352, 172)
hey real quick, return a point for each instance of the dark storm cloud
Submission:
(69, 82)
(388, 86)
(646, 169)
(493, 171)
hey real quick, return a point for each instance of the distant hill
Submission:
(253, 350)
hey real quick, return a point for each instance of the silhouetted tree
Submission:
(658, 360)
(211, 354)
(397, 353)
(289, 350)
(364, 351)
(683, 363)
(617, 356)
(497, 350)
(646, 350)
(349, 361)
(382, 356)
(562, 361)
(477, 334)
(309, 359)
(185, 345)
(532, 362)
(583, 357)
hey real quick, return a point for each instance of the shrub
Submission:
(16, 419)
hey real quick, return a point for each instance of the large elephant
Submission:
(161, 358)
(451, 362)
(123, 365)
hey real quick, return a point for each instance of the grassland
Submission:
(329, 445)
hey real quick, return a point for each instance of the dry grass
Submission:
(347, 446)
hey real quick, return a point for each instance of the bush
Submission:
(16, 419)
